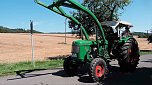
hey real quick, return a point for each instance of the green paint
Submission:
(83, 50)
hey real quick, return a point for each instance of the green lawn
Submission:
(145, 53)
(9, 69)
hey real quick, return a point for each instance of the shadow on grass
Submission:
(62, 57)
(24, 74)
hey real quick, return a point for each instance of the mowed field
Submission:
(16, 47)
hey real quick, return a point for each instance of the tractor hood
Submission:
(82, 42)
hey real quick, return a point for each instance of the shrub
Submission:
(142, 36)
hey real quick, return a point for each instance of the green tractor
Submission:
(111, 42)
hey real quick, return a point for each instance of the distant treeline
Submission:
(142, 34)
(139, 34)
(21, 30)
(17, 30)
(60, 33)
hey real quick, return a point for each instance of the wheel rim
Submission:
(99, 71)
(130, 51)
(133, 58)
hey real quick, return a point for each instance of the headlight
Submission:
(74, 55)
(75, 49)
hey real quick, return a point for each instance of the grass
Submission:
(145, 53)
(10, 69)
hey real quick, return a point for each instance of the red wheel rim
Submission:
(130, 51)
(99, 71)
(132, 59)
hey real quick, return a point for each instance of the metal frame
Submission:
(56, 7)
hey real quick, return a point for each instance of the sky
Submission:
(18, 13)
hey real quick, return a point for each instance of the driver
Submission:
(126, 32)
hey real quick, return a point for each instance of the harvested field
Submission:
(143, 44)
(17, 47)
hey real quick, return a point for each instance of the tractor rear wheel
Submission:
(97, 69)
(129, 56)
(69, 68)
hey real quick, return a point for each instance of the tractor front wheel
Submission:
(69, 67)
(97, 69)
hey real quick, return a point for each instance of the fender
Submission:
(125, 39)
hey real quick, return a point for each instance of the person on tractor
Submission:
(126, 32)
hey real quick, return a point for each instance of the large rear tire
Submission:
(97, 69)
(128, 56)
(69, 68)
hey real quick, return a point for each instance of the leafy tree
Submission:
(105, 10)
(149, 39)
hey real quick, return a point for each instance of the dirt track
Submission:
(17, 47)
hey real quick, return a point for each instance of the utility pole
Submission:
(147, 32)
(32, 42)
(65, 30)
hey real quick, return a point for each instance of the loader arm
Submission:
(56, 7)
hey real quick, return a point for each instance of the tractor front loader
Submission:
(94, 55)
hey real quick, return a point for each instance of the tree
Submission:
(150, 37)
(105, 10)
(17, 30)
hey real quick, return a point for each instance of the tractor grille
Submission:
(75, 49)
